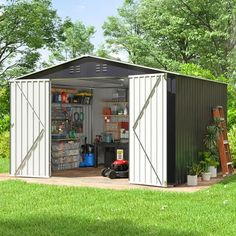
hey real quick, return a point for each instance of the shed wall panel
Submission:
(194, 102)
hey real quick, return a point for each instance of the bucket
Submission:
(82, 164)
(89, 159)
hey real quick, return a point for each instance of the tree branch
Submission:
(9, 67)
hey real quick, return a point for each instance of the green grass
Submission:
(31, 209)
(4, 165)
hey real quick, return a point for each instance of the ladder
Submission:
(223, 143)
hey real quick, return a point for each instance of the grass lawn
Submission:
(4, 165)
(31, 209)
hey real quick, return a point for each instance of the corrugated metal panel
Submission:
(30, 128)
(194, 102)
(147, 156)
(171, 91)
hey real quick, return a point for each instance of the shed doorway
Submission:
(126, 115)
(89, 125)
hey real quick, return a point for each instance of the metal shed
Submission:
(168, 116)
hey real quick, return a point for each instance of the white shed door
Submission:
(148, 108)
(30, 128)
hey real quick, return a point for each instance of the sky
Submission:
(90, 12)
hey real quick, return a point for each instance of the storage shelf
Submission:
(113, 130)
(60, 119)
(116, 102)
(64, 139)
(115, 116)
(69, 104)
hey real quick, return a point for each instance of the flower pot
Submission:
(206, 176)
(199, 179)
(192, 180)
(213, 171)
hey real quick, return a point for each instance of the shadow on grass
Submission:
(60, 225)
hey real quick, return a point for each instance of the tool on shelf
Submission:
(223, 143)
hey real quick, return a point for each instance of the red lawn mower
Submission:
(118, 169)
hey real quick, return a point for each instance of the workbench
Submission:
(109, 150)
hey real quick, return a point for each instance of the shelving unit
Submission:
(112, 122)
(115, 102)
(117, 115)
(65, 139)
(65, 150)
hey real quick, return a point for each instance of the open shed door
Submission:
(30, 128)
(148, 119)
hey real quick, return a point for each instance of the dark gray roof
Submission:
(93, 66)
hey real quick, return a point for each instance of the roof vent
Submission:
(104, 67)
(101, 68)
(98, 68)
(77, 70)
(74, 69)
(71, 69)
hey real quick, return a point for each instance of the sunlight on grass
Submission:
(31, 209)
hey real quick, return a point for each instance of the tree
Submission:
(25, 27)
(124, 33)
(74, 40)
(167, 33)
(192, 69)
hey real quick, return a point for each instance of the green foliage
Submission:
(124, 34)
(5, 145)
(4, 123)
(232, 140)
(196, 70)
(231, 119)
(211, 156)
(4, 108)
(205, 160)
(4, 100)
(167, 33)
(103, 51)
(211, 136)
(74, 40)
(195, 169)
(25, 27)
(187, 31)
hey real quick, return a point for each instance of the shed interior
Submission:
(89, 124)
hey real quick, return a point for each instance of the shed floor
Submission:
(90, 177)
(81, 172)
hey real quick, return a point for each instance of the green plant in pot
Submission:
(205, 163)
(210, 142)
(193, 172)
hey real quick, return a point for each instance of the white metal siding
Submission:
(30, 128)
(148, 109)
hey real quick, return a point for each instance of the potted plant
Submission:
(205, 163)
(210, 142)
(213, 163)
(193, 172)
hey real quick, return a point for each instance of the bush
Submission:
(5, 145)
(4, 123)
(4, 99)
(196, 70)
(232, 140)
